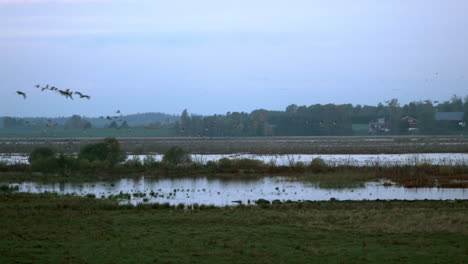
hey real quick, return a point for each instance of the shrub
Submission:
(225, 163)
(211, 164)
(3, 166)
(45, 164)
(248, 163)
(6, 188)
(425, 167)
(150, 161)
(318, 165)
(133, 163)
(109, 151)
(300, 166)
(446, 170)
(41, 153)
(176, 155)
(65, 162)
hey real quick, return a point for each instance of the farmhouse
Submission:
(412, 123)
(379, 126)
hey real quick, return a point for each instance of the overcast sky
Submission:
(214, 56)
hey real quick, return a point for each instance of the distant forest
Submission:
(133, 120)
(329, 119)
(313, 120)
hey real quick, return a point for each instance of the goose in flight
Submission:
(83, 95)
(21, 93)
(67, 93)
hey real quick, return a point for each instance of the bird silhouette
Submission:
(67, 93)
(83, 95)
(37, 86)
(22, 94)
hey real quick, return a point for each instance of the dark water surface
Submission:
(221, 192)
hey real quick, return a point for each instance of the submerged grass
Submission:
(54, 229)
(336, 180)
(324, 175)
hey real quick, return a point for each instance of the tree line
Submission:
(328, 119)
(294, 120)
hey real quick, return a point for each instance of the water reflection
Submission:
(220, 192)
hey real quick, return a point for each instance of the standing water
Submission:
(221, 192)
(330, 159)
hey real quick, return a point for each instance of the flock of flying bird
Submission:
(67, 93)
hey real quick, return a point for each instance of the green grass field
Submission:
(55, 229)
(360, 127)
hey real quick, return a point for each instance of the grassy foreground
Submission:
(63, 229)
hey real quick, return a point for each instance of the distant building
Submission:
(451, 117)
(412, 123)
(380, 125)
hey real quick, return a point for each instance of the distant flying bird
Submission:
(67, 93)
(118, 112)
(37, 86)
(83, 95)
(21, 93)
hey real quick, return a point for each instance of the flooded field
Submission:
(221, 192)
(331, 159)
